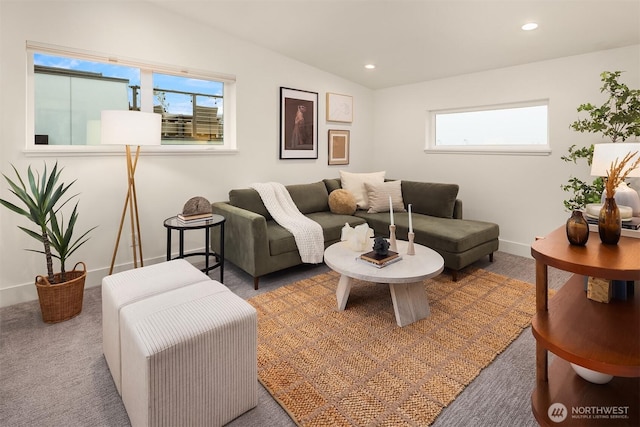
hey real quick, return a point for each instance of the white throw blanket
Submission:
(307, 232)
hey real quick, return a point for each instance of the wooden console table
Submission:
(602, 337)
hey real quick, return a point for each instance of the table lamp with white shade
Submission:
(603, 157)
(130, 128)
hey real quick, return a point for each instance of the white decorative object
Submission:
(626, 196)
(357, 238)
(590, 375)
(346, 232)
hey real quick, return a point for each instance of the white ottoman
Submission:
(189, 357)
(121, 289)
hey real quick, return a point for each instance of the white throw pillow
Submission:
(378, 195)
(354, 183)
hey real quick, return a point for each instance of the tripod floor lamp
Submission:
(130, 128)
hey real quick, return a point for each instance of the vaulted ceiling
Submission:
(412, 41)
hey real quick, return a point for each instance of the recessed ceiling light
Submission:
(530, 26)
(370, 66)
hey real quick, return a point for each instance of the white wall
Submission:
(164, 183)
(520, 193)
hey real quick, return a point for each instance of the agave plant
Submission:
(43, 199)
(62, 240)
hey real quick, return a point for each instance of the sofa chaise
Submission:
(259, 245)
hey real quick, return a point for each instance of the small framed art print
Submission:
(339, 108)
(338, 147)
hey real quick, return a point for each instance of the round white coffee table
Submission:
(405, 277)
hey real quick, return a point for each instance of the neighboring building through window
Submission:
(70, 91)
(516, 128)
(68, 102)
(192, 109)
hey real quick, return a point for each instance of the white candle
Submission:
(391, 210)
(410, 222)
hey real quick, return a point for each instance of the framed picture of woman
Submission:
(298, 124)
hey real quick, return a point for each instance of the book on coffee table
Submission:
(380, 260)
(373, 264)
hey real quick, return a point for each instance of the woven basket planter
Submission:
(62, 301)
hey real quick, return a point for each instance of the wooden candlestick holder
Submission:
(411, 250)
(392, 238)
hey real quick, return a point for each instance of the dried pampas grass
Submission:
(617, 173)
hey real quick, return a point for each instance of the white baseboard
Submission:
(27, 291)
(515, 248)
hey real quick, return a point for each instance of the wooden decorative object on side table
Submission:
(600, 337)
(599, 290)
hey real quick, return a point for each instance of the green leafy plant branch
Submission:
(617, 119)
(583, 193)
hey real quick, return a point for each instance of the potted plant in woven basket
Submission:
(60, 294)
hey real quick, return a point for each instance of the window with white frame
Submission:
(69, 89)
(509, 128)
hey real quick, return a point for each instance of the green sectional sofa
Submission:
(258, 245)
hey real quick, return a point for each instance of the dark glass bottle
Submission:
(610, 222)
(577, 229)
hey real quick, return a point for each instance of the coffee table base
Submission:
(410, 302)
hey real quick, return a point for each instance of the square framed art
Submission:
(298, 124)
(338, 147)
(339, 108)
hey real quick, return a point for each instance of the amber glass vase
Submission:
(577, 229)
(610, 222)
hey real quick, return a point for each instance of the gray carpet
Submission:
(56, 375)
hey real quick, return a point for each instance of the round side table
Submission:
(174, 223)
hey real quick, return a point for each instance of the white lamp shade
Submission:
(605, 154)
(123, 127)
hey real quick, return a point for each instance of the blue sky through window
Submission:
(181, 103)
(107, 70)
(177, 103)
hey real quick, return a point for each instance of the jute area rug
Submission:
(357, 367)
